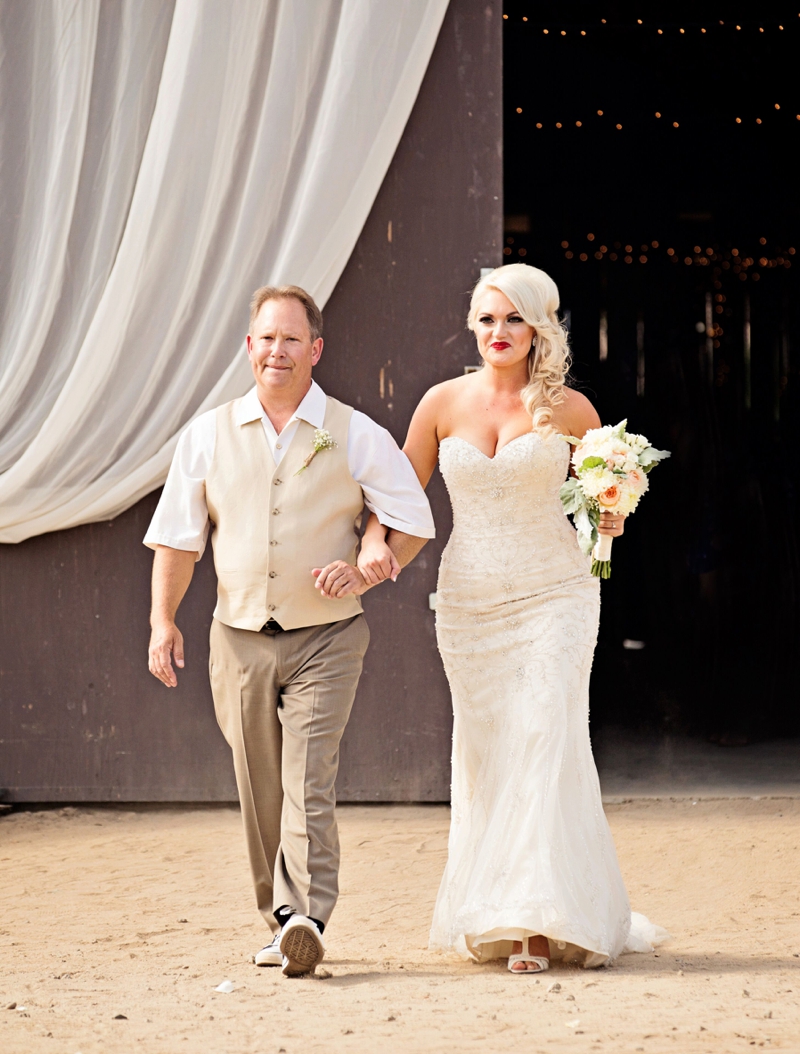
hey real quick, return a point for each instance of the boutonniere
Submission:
(322, 440)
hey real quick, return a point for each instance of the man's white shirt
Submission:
(384, 473)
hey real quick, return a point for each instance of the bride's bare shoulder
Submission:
(446, 393)
(452, 388)
(576, 414)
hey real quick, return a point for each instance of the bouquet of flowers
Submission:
(611, 467)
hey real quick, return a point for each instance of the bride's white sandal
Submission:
(541, 962)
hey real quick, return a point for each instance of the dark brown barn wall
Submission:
(82, 719)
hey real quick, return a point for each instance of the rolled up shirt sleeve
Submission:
(181, 517)
(387, 478)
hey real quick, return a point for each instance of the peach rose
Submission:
(609, 497)
(637, 480)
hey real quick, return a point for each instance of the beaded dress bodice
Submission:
(507, 508)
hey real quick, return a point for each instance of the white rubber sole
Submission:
(301, 948)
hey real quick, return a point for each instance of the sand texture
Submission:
(142, 912)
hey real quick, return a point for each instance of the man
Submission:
(282, 474)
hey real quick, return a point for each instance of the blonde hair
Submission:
(535, 296)
(287, 292)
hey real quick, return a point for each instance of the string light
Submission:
(519, 109)
(724, 259)
(660, 31)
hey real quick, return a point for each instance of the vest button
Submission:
(273, 574)
(276, 512)
(273, 543)
(278, 482)
(271, 607)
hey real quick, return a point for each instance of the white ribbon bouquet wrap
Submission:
(611, 475)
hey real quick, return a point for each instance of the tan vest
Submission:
(272, 526)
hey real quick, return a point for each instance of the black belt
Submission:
(271, 626)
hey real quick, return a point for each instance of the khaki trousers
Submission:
(282, 702)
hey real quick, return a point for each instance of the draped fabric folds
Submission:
(159, 160)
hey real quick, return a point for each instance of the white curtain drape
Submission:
(159, 159)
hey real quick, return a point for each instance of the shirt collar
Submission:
(311, 409)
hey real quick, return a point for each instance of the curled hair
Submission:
(288, 292)
(535, 296)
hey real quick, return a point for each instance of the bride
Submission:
(532, 873)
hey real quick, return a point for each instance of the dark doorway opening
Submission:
(650, 168)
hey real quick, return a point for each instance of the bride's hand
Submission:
(376, 561)
(612, 524)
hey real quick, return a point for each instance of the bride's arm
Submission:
(422, 442)
(383, 552)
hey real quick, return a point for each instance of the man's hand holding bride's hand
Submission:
(612, 524)
(339, 579)
(376, 561)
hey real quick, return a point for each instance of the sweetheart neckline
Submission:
(497, 453)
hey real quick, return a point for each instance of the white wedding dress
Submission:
(530, 851)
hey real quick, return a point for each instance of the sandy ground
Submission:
(141, 912)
